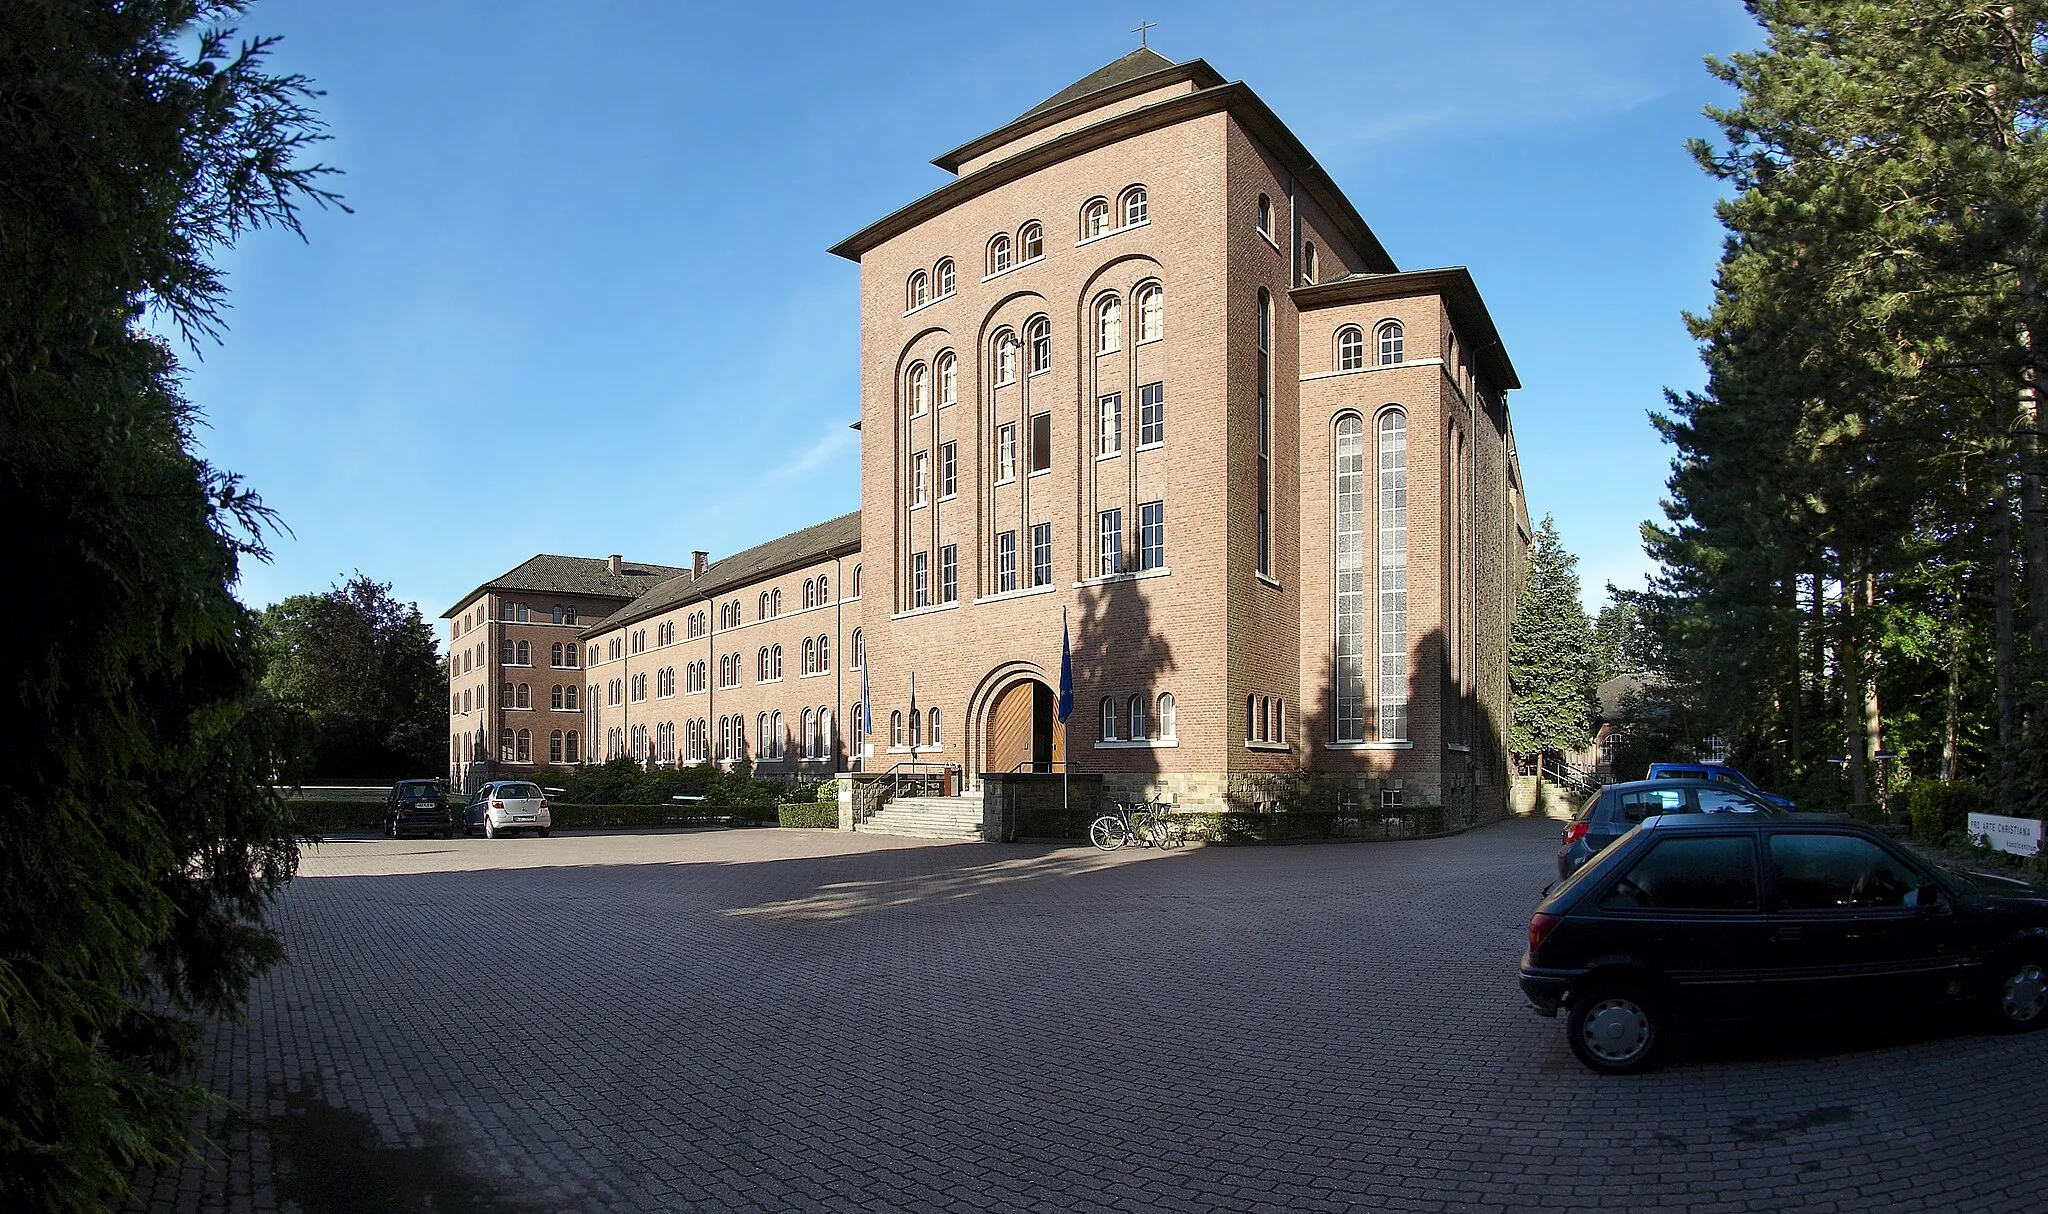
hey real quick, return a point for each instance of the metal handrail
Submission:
(872, 790)
(1051, 765)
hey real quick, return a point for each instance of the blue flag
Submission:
(867, 708)
(1066, 708)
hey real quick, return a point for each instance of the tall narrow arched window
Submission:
(932, 727)
(824, 590)
(809, 745)
(1031, 241)
(761, 744)
(1266, 216)
(1109, 324)
(1141, 724)
(810, 656)
(1094, 219)
(555, 746)
(775, 601)
(896, 728)
(918, 388)
(1393, 565)
(1006, 357)
(1391, 343)
(920, 291)
(824, 654)
(1350, 349)
(1308, 261)
(555, 696)
(999, 254)
(761, 607)
(917, 729)
(1038, 335)
(1151, 313)
(944, 277)
(571, 752)
(949, 379)
(856, 581)
(810, 593)
(1348, 543)
(761, 664)
(825, 747)
(1109, 720)
(1264, 422)
(775, 662)
(1166, 733)
(1135, 208)
(860, 650)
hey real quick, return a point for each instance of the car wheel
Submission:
(1615, 1029)
(2020, 995)
(490, 829)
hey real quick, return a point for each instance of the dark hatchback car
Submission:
(1616, 809)
(418, 805)
(1723, 917)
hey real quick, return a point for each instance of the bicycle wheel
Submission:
(1109, 832)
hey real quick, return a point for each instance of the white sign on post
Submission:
(2020, 836)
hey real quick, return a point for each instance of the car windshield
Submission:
(415, 788)
(518, 792)
(1585, 872)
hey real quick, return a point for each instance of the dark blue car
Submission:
(1720, 773)
(1616, 809)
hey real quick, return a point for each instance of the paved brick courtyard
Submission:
(809, 1020)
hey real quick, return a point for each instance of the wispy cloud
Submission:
(815, 456)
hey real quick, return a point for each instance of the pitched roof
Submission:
(1141, 62)
(549, 574)
(834, 537)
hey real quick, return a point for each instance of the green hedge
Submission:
(1237, 828)
(1941, 811)
(315, 818)
(638, 817)
(810, 815)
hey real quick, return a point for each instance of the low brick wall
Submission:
(1031, 805)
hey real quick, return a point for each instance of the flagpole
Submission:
(1064, 808)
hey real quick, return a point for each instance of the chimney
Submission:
(617, 563)
(700, 560)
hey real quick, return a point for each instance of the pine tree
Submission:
(1550, 659)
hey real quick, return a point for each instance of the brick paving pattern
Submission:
(810, 1020)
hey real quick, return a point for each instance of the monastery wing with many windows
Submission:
(1140, 376)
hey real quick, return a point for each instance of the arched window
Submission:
(1094, 219)
(775, 662)
(1109, 721)
(860, 650)
(1038, 333)
(1251, 718)
(570, 751)
(810, 593)
(944, 275)
(525, 746)
(569, 653)
(918, 389)
(1109, 324)
(761, 608)
(1266, 216)
(932, 732)
(810, 656)
(761, 664)
(1151, 313)
(949, 379)
(860, 723)
(1391, 343)
(1350, 349)
(555, 696)
(1006, 358)
(1141, 726)
(920, 292)
(775, 601)
(856, 581)
(525, 654)
(824, 732)
(1263, 419)
(505, 693)
(525, 695)
(761, 744)
(1134, 205)
(917, 729)
(1393, 565)
(1166, 733)
(1031, 241)
(555, 746)
(824, 590)
(1308, 261)
(555, 654)
(809, 744)
(998, 254)
(824, 654)
(1349, 543)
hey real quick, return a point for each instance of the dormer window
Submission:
(999, 254)
(1094, 219)
(1135, 210)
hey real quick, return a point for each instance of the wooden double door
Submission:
(1021, 732)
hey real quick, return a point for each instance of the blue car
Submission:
(1719, 773)
(1618, 808)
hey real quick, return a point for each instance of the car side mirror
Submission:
(1928, 898)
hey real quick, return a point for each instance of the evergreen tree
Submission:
(1550, 659)
(143, 838)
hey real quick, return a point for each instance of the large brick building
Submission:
(1140, 371)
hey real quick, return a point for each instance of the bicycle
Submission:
(1148, 822)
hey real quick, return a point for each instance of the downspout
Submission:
(845, 651)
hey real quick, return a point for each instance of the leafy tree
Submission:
(364, 669)
(1550, 658)
(143, 838)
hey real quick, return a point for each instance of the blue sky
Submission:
(583, 304)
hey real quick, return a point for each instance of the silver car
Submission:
(506, 807)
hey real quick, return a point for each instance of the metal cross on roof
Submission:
(1142, 29)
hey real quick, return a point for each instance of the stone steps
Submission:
(929, 818)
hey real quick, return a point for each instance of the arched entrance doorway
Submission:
(1017, 730)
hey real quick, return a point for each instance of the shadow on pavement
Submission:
(332, 1160)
